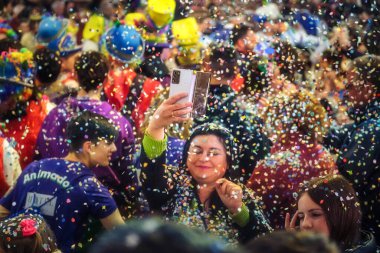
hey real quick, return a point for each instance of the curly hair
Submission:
(367, 68)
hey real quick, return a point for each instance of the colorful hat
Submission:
(16, 72)
(124, 43)
(161, 11)
(189, 55)
(94, 28)
(51, 28)
(186, 31)
(153, 36)
(65, 45)
(6, 29)
(309, 22)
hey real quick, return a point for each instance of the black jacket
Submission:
(358, 160)
(172, 193)
(367, 244)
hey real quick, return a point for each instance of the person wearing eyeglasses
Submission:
(204, 192)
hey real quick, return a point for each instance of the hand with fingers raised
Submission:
(170, 111)
(230, 194)
(290, 225)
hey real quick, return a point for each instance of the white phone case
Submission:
(195, 84)
(182, 80)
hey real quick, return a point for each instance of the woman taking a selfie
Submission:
(201, 192)
(329, 205)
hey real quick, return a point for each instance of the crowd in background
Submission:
(285, 159)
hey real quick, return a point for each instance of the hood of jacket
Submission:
(367, 244)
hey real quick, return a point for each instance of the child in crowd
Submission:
(27, 234)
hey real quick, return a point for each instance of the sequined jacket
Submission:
(172, 193)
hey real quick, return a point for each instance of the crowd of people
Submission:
(95, 156)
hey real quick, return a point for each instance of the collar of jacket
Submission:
(367, 244)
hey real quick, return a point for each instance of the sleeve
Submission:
(7, 200)
(154, 148)
(156, 180)
(359, 158)
(12, 168)
(251, 221)
(12, 198)
(124, 165)
(101, 203)
(256, 146)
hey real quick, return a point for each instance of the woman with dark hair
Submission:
(298, 122)
(202, 192)
(329, 205)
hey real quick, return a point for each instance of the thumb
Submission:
(219, 184)
(220, 181)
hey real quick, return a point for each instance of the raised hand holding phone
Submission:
(170, 111)
(195, 84)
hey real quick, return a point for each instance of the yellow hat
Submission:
(161, 11)
(189, 55)
(186, 31)
(94, 28)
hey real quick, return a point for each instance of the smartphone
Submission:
(182, 80)
(202, 82)
(195, 84)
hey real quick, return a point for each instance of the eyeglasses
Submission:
(196, 151)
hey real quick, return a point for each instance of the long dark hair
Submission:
(337, 198)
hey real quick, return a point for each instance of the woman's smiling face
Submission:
(207, 159)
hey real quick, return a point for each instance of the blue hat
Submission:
(51, 28)
(16, 72)
(259, 18)
(65, 45)
(309, 22)
(124, 43)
